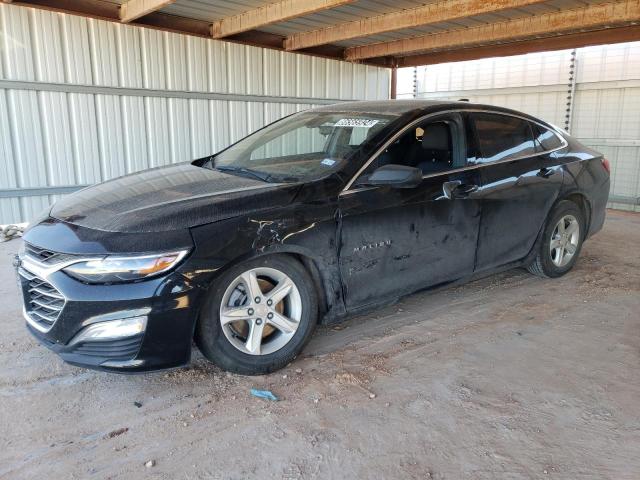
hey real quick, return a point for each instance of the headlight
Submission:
(124, 269)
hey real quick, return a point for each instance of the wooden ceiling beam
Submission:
(134, 9)
(440, 11)
(562, 42)
(593, 17)
(271, 13)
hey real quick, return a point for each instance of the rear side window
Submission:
(502, 137)
(545, 139)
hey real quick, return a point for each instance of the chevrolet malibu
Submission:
(323, 214)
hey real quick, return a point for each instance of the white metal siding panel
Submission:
(304, 70)
(384, 84)
(133, 120)
(630, 113)
(219, 121)
(82, 107)
(359, 82)
(200, 135)
(609, 62)
(176, 68)
(534, 69)
(608, 120)
(9, 207)
(319, 79)
(273, 78)
(28, 154)
(346, 80)
(76, 54)
(52, 138)
(288, 78)
(156, 111)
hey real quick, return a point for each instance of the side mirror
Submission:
(396, 176)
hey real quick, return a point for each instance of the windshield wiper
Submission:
(265, 177)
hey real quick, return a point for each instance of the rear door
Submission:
(520, 177)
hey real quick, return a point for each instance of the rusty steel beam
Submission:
(440, 11)
(575, 40)
(270, 13)
(593, 17)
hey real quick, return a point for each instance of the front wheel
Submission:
(258, 316)
(561, 242)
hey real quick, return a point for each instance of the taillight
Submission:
(606, 165)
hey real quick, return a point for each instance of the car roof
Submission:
(408, 106)
(389, 107)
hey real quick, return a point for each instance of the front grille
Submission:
(44, 256)
(42, 301)
(123, 349)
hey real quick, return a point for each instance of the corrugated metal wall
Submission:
(84, 100)
(605, 105)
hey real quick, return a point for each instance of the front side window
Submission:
(502, 137)
(302, 147)
(427, 146)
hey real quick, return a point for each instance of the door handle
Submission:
(545, 172)
(465, 189)
(457, 189)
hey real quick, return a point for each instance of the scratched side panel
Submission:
(308, 227)
(397, 241)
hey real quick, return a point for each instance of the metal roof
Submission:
(618, 23)
(212, 10)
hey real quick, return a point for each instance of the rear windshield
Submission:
(304, 146)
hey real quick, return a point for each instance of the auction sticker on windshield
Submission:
(356, 122)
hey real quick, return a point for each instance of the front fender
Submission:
(310, 236)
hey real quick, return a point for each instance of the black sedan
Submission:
(320, 215)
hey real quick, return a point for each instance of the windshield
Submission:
(302, 147)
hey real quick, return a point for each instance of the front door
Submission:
(398, 240)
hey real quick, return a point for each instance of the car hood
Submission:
(169, 198)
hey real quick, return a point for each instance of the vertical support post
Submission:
(415, 82)
(394, 83)
(573, 73)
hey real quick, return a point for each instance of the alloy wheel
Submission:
(260, 311)
(564, 240)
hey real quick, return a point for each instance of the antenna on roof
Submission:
(463, 100)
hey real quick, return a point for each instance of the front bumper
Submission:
(167, 303)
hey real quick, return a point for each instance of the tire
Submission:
(552, 262)
(234, 345)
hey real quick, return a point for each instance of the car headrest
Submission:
(436, 137)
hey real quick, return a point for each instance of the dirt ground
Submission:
(509, 377)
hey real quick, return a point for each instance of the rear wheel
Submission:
(258, 316)
(561, 242)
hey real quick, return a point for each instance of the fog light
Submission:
(111, 330)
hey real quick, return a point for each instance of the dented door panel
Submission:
(516, 198)
(396, 241)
